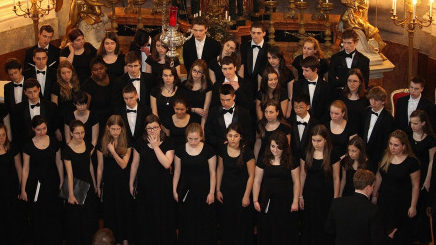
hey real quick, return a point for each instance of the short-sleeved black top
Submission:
(79, 162)
(235, 169)
(164, 105)
(116, 69)
(81, 62)
(92, 120)
(42, 161)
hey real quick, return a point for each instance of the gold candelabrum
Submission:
(326, 8)
(35, 10)
(219, 21)
(114, 25)
(271, 4)
(320, 15)
(292, 14)
(301, 6)
(138, 4)
(412, 23)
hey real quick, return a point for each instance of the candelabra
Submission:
(411, 22)
(138, 4)
(219, 21)
(271, 4)
(320, 14)
(114, 25)
(301, 5)
(35, 11)
(326, 8)
(291, 7)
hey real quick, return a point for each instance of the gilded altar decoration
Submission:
(86, 10)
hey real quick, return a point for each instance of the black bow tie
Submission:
(228, 111)
(302, 123)
(42, 72)
(375, 113)
(311, 83)
(255, 46)
(35, 105)
(128, 111)
(18, 85)
(350, 55)
(134, 79)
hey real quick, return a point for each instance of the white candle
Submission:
(27, 4)
(230, 18)
(199, 13)
(327, 1)
(414, 9)
(226, 15)
(395, 7)
(431, 7)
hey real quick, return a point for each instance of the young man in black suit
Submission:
(301, 123)
(313, 86)
(13, 91)
(377, 123)
(344, 60)
(201, 46)
(254, 55)
(220, 117)
(45, 36)
(241, 86)
(354, 219)
(140, 80)
(45, 75)
(133, 113)
(415, 101)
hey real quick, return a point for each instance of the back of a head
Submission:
(103, 237)
(363, 178)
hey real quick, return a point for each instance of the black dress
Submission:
(65, 105)
(394, 199)
(156, 208)
(196, 217)
(81, 220)
(164, 105)
(117, 201)
(354, 110)
(421, 149)
(318, 193)
(116, 69)
(235, 221)
(340, 141)
(195, 99)
(81, 62)
(284, 128)
(45, 206)
(216, 68)
(323, 66)
(91, 122)
(283, 96)
(156, 68)
(285, 76)
(178, 134)
(349, 185)
(277, 225)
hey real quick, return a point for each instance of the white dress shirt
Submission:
(411, 106)
(302, 127)
(41, 78)
(372, 122)
(144, 57)
(131, 117)
(36, 110)
(18, 92)
(312, 89)
(228, 117)
(199, 45)
(256, 52)
(349, 60)
(137, 85)
(235, 79)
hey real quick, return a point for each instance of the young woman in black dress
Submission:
(113, 156)
(152, 158)
(424, 146)
(396, 189)
(42, 178)
(162, 96)
(235, 176)
(272, 122)
(197, 90)
(354, 97)
(194, 184)
(319, 176)
(81, 220)
(79, 53)
(271, 89)
(179, 121)
(113, 58)
(159, 59)
(341, 131)
(311, 47)
(276, 190)
(230, 48)
(354, 159)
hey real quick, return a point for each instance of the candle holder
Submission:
(327, 7)
(319, 15)
(35, 12)
(271, 4)
(138, 4)
(301, 6)
(292, 14)
(114, 25)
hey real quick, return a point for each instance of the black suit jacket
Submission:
(355, 220)
(377, 142)
(244, 96)
(141, 113)
(401, 115)
(338, 70)
(299, 145)
(211, 50)
(53, 57)
(322, 97)
(50, 79)
(144, 93)
(10, 97)
(247, 60)
(215, 128)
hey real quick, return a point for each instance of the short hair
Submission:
(38, 120)
(301, 98)
(363, 178)
(418, 80)
(227, 60)
(141, 38)
(75, 33)
(112, 36)
(350, 34)
(258, 24)
(39, 50)
(201, 21)
(47, 28)
(80, 98)
(227, 89)
(310, 62)
(129, 88)
(12, 63)
(131, 57)
(96, 60)
(377, 93)
(31, 83)
(103, 236)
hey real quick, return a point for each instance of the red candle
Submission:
(173, 16)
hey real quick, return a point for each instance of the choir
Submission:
(246, 150)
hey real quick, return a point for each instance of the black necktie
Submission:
(375, 113)
(228, 111)
(350, 55)
(255, 46)
(18, 85)
(302, 123)
(311, 83)
(35, 105)
(128, 111)
(42, 72)
(134, 79)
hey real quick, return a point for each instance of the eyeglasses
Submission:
(153, 128)
(197, 71)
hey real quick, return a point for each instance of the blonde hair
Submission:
(195, 128)
(387, 157)
(319, 53)
(121, 147)
(340, 105)
(66, 91)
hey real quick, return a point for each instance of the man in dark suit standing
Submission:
(349, 57)
(415, 101)
(254, 55)
(45, 75)
(45, 36)
(220, 117)
(13, 91)
(354, 219)
(201, 46)
(313, 86)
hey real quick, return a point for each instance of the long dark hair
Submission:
(173, 70)
(282, 142)
(205, 81)
(261, 130)
(151, 119)
(357, 142)
(322, 131)
(361, 91)
(242, 143)
(423, 117)
(264, 86)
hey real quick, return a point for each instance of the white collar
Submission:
(235, 79)
(415, 100)
(305, 119)
(45, 69)
(139, 77)
(39, 46)
(315, 80)
(202, 42)
(379, 111)
(39, 101)
(134, 108)
(260, 44)
(233, 106)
